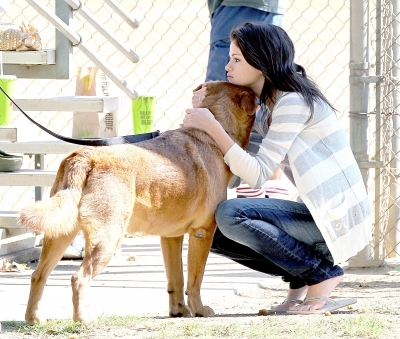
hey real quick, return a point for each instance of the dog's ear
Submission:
(209, 84)
(248, 101)
(198, 87)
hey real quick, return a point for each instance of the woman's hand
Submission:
(203, 119)
(200, 118)
(198, 96)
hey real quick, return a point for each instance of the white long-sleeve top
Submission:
(319, 162)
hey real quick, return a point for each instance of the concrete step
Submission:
(26, 177)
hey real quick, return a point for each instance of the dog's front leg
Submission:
(172, 254)
(200, 241)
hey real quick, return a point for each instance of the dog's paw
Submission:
(34, 318)
(89, 322)
(205, 312)
(84, 319)
(180, 312)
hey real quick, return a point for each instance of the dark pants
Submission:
(273, 236)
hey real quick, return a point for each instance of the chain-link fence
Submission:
(172, 40)
(385, 35)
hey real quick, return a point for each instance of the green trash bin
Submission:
(6, 108)
(143, 113)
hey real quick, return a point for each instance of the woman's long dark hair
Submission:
(269, 49)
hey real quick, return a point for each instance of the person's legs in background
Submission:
(223, 20)
(77, 248)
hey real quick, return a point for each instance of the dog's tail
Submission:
(58, 215)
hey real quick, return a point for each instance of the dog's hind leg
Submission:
(199, 247)
(172, 254)
(52, 252)
(99, 249)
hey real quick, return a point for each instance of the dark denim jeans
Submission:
(277, 237)
(223, 20)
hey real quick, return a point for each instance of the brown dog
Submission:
(167, 186)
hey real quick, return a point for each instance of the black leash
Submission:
(126, 139)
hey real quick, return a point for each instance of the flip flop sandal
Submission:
(286, 301)
(330, 305)
(9, 162)
(293, 301)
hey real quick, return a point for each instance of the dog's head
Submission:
(233, 106)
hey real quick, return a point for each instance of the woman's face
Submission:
(241, 73)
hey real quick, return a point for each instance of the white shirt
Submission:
(322, 165)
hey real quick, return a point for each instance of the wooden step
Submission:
(36, 64)
(22, 256)
(26, 177)
(38, 147)
(18, 240)
(102, 104)
(42, 57)
(8, 219)
(8, 134)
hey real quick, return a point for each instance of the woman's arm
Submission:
(249, 168)
(289, 118)
(204, 120)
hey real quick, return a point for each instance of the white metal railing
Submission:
(76, 41)
(116, 7)
(77, 5)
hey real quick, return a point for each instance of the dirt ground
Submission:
(377, 291)
(127, 287)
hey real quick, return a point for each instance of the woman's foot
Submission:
(293, 298)
(323, 289)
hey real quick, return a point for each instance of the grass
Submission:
(368, 326)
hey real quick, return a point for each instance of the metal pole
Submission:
(117, 8)
(378, 143)
(394, 211)
(359, 93)
(63, 45)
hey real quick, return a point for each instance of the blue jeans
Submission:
(277, 237)
(223, 20)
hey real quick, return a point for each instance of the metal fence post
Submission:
(378, 244)
(359, 96)
(393, 246)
